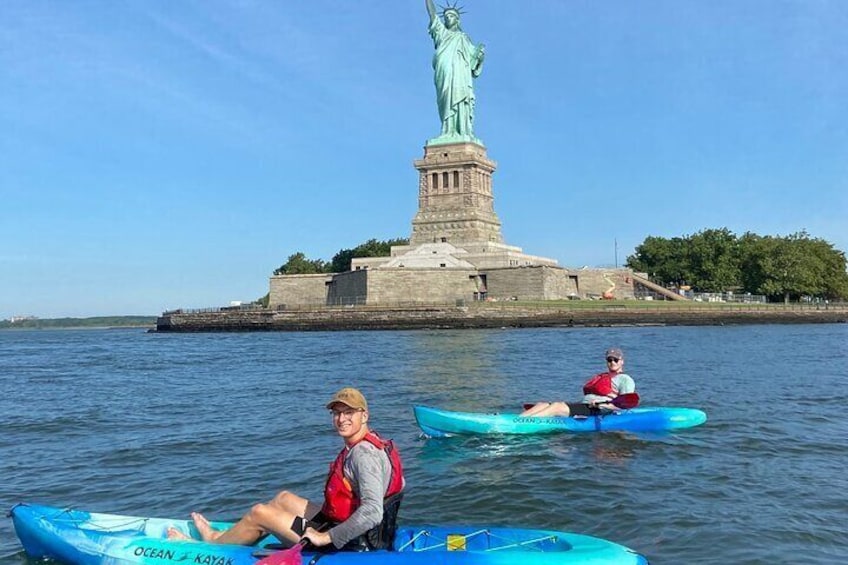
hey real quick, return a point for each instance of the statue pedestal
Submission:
(454, 139)
(455, 202)
(456, 214)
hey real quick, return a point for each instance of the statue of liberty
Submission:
(456, 62)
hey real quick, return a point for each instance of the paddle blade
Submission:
(291, 556)
(626, 401)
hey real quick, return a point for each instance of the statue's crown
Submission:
(455, 8)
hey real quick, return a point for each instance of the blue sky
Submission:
(157, 155)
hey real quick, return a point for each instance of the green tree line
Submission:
(299, 264)
(96, 322)
(716, 260)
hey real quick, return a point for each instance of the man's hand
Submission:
(603, 405)
(318, 539)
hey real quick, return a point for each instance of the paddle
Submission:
(624, 401)
(290, 556)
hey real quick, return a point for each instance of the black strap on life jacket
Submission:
(381, 536)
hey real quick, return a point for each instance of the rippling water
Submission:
(152, 424)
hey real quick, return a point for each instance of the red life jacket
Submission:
(601, 385)
(339, 499)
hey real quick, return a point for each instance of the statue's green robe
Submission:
(456, 63)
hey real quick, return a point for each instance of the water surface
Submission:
(161, 424)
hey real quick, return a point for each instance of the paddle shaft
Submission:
(292, 555)
(625, 401)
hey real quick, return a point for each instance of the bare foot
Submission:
(204, 527)
(175, 534)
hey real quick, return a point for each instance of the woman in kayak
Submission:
(599, 392)
(361, 497)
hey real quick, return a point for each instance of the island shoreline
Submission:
(488, 316)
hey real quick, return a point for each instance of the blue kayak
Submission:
(436, 423)
(75, 537)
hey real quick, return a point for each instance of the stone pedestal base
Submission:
(456, 208)
(455, 202)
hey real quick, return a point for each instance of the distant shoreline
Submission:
(93, 323)
(69, 328)
(487, 315)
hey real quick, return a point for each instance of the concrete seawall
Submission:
(488, 316)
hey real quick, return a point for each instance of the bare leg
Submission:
(543, 409)
(535, 409)
(275, 516)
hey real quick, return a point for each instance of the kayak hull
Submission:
(435, 422)
(76, 537)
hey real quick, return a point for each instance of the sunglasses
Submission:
(344, 414)
(613, 359)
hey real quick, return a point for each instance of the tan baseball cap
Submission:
(349, 397)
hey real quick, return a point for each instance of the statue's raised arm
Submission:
(431, 9)
(456, 62)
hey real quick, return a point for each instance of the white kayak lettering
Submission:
(154, 552)
(202, 559)
(535, 420)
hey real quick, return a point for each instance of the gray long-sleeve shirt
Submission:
(369, 471)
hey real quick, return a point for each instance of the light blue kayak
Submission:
(436, 423)
(75, 537)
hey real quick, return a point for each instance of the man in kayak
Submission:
(361, 496)
(599, 392)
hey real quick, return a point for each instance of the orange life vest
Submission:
(339, 499)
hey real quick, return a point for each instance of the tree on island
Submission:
(716, 260)
(372, 248)
(299, 264)
(788, 267)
